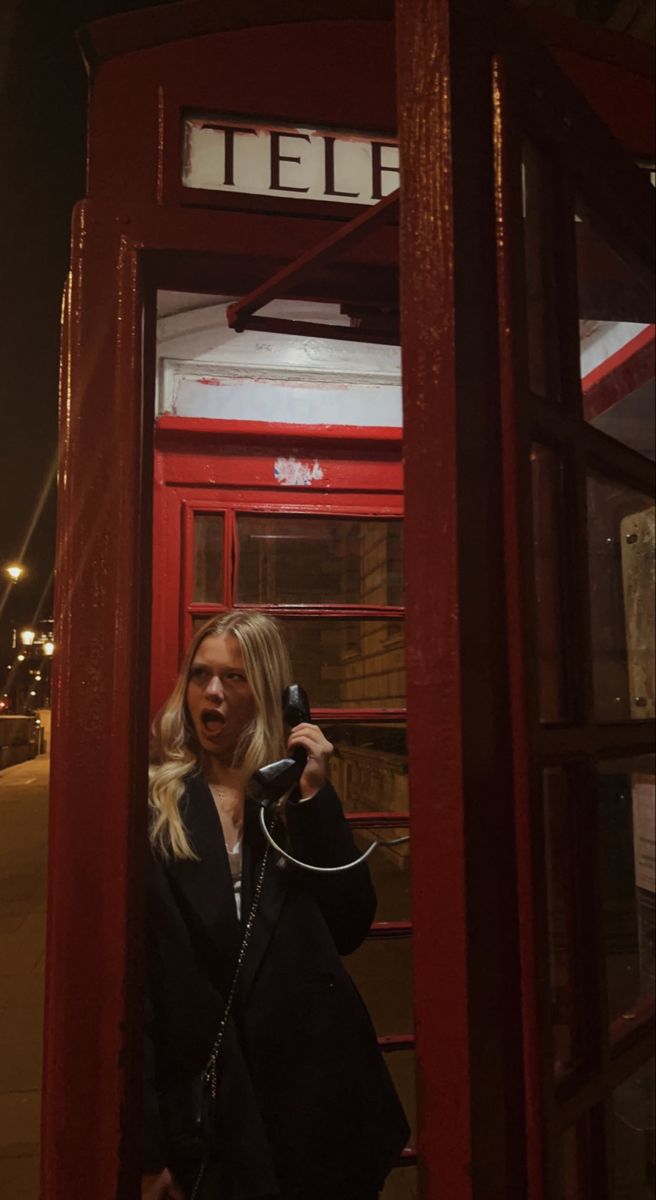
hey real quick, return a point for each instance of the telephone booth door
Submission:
(500, 702)
(530, 433)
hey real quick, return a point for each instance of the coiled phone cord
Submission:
(327, 870)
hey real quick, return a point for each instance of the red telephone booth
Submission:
(238, 431)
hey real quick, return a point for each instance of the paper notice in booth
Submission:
(644, 798)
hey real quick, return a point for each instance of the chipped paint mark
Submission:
(290, 472)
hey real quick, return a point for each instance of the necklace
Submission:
(231, 813)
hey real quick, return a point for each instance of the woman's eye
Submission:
(198, 672)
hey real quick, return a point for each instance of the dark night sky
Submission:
(42, 148)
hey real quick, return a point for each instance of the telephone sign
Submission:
(225, 155)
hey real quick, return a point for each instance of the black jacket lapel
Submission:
(274, 891)
(204, 888)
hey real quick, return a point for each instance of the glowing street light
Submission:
(27, 636)
(14, 571)
(49, 648)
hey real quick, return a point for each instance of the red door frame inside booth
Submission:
(357, 479)
(516, 1127)
(489, 1124)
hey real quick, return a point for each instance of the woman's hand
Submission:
(319, 750)
(160, 1187)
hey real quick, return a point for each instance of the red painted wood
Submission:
(342, 475)
(614, 71)
(98, 772)
(612, 381)
(176, 429)
(332, 246)
(389, 930)
(174, 508)
(520, 604)
(586, 159)
(391, 1042)
(432, 629)
(321, 77)
(376, 820)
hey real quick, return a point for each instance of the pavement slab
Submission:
(23, 859)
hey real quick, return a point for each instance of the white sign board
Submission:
(225, 155)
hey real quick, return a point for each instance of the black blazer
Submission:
(307, 1107)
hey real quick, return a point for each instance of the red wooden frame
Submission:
(578, 1093)
(627, 369)
(370, 465)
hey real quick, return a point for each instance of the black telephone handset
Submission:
(272, 781)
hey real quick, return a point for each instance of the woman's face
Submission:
(219, 697)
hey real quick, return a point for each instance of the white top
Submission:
(234, 858)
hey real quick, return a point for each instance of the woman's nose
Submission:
(214, 687)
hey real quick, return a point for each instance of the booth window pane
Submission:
(208, 558)
(540, 333)
(546, 477)
(369, 770)
(621, 565)
(402, 1068)
(382, 973)
(616, 329)
(634, 1157)
(319, 560)
(561, 900)
(345, 663)
(626, 832)
(350, 664)
(401, 1184)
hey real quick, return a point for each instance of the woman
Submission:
(306, 1108)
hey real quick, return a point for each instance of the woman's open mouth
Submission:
(212, 721)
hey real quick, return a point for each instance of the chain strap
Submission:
(210, 1073)
(210, 1067)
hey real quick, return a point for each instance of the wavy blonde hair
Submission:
(175, 752)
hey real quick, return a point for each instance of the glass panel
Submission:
(206, 370)
(344, 663)
(634, 1158)
(208, 558)
(626, 830)
(616, 328)
(349, 664)
(390, 872)
(402, 1067)
(401, 1184)
(621, 559)
(561, 900)
(538, 271)
(319, 560)
(382, 973)
(369, 770)
(546, 477)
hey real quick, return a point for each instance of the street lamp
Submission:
(27, 637)
(49, 648)
(14, 571)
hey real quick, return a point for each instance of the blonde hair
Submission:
(175, 752)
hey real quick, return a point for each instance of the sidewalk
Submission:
(23, 846)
